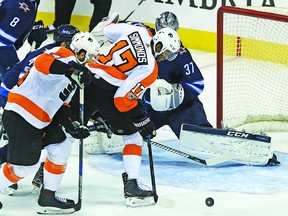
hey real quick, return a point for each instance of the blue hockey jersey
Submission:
(16, 22)
(185, 71)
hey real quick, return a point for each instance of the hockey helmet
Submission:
(85, 41)
(167, 19)
(64, 33)
(170, 42)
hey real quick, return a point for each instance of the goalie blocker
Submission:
(242, 147)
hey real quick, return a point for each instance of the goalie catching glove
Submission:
(98, 31)
(165, 96)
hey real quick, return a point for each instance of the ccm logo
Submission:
(237, 134)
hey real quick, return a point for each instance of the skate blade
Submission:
(54, 211)
(134, 202)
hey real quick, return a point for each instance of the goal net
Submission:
(252, 68)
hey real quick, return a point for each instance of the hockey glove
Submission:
(81, 75)
(141, 120)
(101, 125)
(82, 78)
(76, 130)
(64, 117)
(38, 34)
(145, 127)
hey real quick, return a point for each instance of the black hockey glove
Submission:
(145, 127)
(64, 116)
(81, 75)
(82, 78)
(76, 130)
(141, 120)
(38, 34)
(101, 125)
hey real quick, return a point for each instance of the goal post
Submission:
(252, 68)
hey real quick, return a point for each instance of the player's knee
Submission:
(134, 138)
(60, 152)
(23, 171)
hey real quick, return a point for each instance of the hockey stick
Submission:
(209, 162)
(80, 179)
(133, 11)
(152, 169)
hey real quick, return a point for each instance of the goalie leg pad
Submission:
(99, 143)
(250, 149)
(93, 144)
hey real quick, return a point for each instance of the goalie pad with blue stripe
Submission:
(242, 147)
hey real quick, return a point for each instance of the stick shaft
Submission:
(153, 182)
(133, 10)
(80, 177)
(209, 162)
(175, 151)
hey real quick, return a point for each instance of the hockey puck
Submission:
(1, 205)
(209, 201)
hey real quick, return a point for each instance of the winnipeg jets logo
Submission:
(24, 7)
(1, 2)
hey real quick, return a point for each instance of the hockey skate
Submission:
(134, 195)
(51, 204)
(10, 190)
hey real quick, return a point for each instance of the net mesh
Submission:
(255, 71)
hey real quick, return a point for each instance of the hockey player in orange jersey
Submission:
(40, 100)
(122, 74)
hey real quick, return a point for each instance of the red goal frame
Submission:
(220, 14)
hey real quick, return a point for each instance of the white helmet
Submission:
(170, 43)
(87, 42)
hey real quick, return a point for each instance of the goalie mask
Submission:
(84, 42)
(165, 96)
(167, 19)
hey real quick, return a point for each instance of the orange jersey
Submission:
(39, 95)
(128, 63)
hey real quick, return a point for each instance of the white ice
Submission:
(103, 190)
